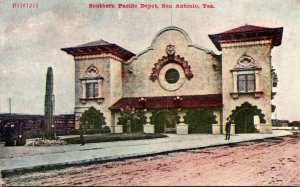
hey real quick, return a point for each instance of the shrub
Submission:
(113, 137)
(92, 131)
(105, 130)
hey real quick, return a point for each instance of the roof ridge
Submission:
(245, 28)
(95, 43)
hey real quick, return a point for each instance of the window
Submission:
(246, 78)
(246, 83)
(91, 86)
(92, 90)
(172, 76)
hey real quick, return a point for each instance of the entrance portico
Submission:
(178, 114)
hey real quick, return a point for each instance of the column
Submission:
(182, 128)
(83, 89)
(265, 128)
(148, 128)
(216, 128)
(257, 122)
(118, 128)
(235, 90)
(100, 88)
(232, 128)
(257, 80)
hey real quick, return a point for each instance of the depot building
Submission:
(176, 86)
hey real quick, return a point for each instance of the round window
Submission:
(172, 76)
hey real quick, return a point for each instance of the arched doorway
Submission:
(243, 118)
(244, 121)
(200, 121)
(165, 121)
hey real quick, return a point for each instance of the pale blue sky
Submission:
(30, 41)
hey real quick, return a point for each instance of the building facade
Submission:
(176, 86)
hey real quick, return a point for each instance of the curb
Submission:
(17, 171)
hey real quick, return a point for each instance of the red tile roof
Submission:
(191, 101)
(95, 43)
(99, 47)
(248, 33)
(245, 28)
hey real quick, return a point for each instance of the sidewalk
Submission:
(26, 158)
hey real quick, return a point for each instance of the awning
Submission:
(165, 102)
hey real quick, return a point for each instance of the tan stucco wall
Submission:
(261, 55)
(205, 80)
(110, 70)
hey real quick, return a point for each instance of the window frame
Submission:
(94, 79)
(94, 92)
(247, 82)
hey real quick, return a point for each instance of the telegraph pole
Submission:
(9, 101)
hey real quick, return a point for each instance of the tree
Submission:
(132, 120)
(92, 119)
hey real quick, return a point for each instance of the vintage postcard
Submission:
(149, 92)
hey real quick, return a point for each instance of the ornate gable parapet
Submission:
(171, 58)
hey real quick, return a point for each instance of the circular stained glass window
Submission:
(172, 76)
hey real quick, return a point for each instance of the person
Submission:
(227, 129)
(81, 131)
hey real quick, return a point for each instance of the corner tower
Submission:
(246, 76)
(98, 76)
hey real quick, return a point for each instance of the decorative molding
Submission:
(187, 37)
(91, 73)
(170, 50)
(171, 58)
(235, 95)
(98, 99)
(244, 106)
(245, 62)
(217, 66)
(244, 43)
(109, 55)
(151, 47)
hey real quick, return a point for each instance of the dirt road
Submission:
(271, 162)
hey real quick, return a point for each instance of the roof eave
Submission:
(100, 49)
(276, 37)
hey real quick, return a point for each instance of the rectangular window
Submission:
(246, 83)
(92, 90)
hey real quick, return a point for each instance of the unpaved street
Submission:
(271, 162)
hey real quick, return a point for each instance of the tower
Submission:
(247, 75)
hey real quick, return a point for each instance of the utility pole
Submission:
(9, 101)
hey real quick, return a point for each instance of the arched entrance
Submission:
(200, 121)
(244, 121)
(243, 118)
(165, 121)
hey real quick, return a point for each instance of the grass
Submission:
(113, 137)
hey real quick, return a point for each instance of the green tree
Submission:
(92, 119)
(132, 120)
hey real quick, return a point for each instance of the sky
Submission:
(31, 39)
